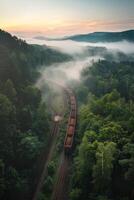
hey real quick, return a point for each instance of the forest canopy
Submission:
(104, 159)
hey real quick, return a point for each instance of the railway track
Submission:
(46, 160)
(60, 190)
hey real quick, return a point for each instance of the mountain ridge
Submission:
(96, 37)
(104, 36)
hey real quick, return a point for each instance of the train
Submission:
(71, 126)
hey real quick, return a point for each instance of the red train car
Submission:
(68, 143)
(70, 130)
(72, 121)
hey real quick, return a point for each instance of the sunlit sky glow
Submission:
(65, 17)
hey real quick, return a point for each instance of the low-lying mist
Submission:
(65, 72)
(83, 55)
(69, 46)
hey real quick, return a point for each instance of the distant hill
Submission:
(104, 37)
(41, 38)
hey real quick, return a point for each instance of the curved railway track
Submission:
(60, 191)
(60, 187)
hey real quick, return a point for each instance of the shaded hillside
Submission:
(17, 58)
(24, 119)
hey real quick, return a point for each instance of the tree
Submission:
(9, 90)
(25, 119)
(128, 161)
(75, 194)
(16, 186)
(102, 170)
(32, 96)
(2, 179)
(112, 131)
(41, 125)
(29, 148)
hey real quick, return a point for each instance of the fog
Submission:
(70, 47)
(65, 72)
(83, 54)
(124, 46)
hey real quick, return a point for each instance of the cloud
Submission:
(83, 56)
(64, 27)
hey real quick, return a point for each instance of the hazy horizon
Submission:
(60, 17)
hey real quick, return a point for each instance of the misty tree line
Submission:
(103, 166)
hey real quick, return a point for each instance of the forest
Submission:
(103, 167)
(103, 158)
(24, 121)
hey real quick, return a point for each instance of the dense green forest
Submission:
(103, 160)
(24, 121)
(103, 166)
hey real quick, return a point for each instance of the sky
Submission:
(55, 18)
